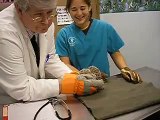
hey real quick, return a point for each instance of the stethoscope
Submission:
(54, 101)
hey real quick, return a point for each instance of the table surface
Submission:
(80, 112)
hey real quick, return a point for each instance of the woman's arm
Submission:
(119, 60)
(66, 60)
(126, 72)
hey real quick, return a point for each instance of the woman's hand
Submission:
(130, 75)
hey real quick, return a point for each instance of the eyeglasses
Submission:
(56, 101)
(40, 18)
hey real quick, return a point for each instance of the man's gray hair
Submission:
(41, 4)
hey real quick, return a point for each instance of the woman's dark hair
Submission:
(69, 2)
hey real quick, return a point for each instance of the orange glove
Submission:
(130, 75)
(74, 83)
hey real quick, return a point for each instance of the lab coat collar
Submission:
(26, 41)
(43, 48)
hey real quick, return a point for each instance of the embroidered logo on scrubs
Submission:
(72, 41)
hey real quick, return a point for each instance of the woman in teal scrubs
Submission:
(88, 42)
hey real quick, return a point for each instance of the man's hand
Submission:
(80, 84)
(131, 75)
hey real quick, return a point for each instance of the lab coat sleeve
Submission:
(54, 65)
(14, 79)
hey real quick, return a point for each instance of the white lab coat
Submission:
(18, 70)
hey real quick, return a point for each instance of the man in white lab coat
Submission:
(21, 78)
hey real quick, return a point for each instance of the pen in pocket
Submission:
(48, 57)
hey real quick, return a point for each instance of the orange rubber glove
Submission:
(130, 75)
(74, 83)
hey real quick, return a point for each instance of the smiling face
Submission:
(80, 13)
(30, 21)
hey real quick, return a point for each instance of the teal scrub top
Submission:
(90, 49)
